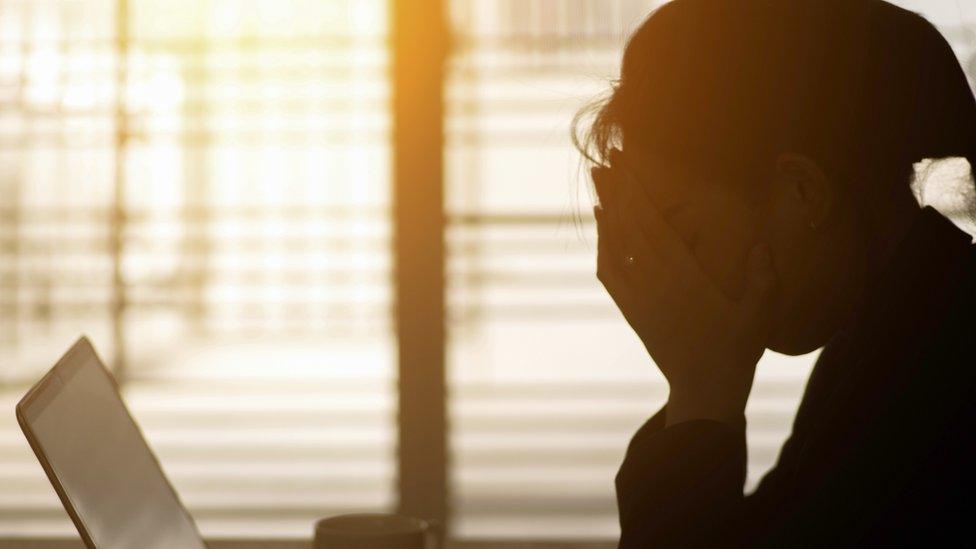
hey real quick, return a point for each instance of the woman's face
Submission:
(817, 268)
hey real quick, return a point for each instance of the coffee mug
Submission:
(375, 531)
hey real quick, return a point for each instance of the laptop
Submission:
(94, 454)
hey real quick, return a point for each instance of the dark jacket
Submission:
(882, 451)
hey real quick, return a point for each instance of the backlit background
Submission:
(204, 188)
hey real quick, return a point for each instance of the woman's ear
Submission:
(806, 186)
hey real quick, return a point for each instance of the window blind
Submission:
(203, 188)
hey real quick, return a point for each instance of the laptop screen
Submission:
(110, 477)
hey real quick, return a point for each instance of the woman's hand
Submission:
(706, 344)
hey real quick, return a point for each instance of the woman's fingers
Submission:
(634, 261)
(606, 247)
(611, 228)
(662, 238)
(665, 272)
(608, 242)
(638, 289)
(613, 246)
(602, 185)
(608, 270)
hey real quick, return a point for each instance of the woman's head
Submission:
(795, 123)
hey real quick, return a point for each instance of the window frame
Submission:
(419, 50)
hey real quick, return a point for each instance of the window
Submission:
(204, 188)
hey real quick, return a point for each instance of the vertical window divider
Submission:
(117, 213)
(418, 52)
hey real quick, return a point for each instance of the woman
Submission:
(754, 169)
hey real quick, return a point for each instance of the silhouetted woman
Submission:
(754, 167)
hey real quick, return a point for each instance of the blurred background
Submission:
(205, 188)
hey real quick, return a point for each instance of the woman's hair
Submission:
(863, 87)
